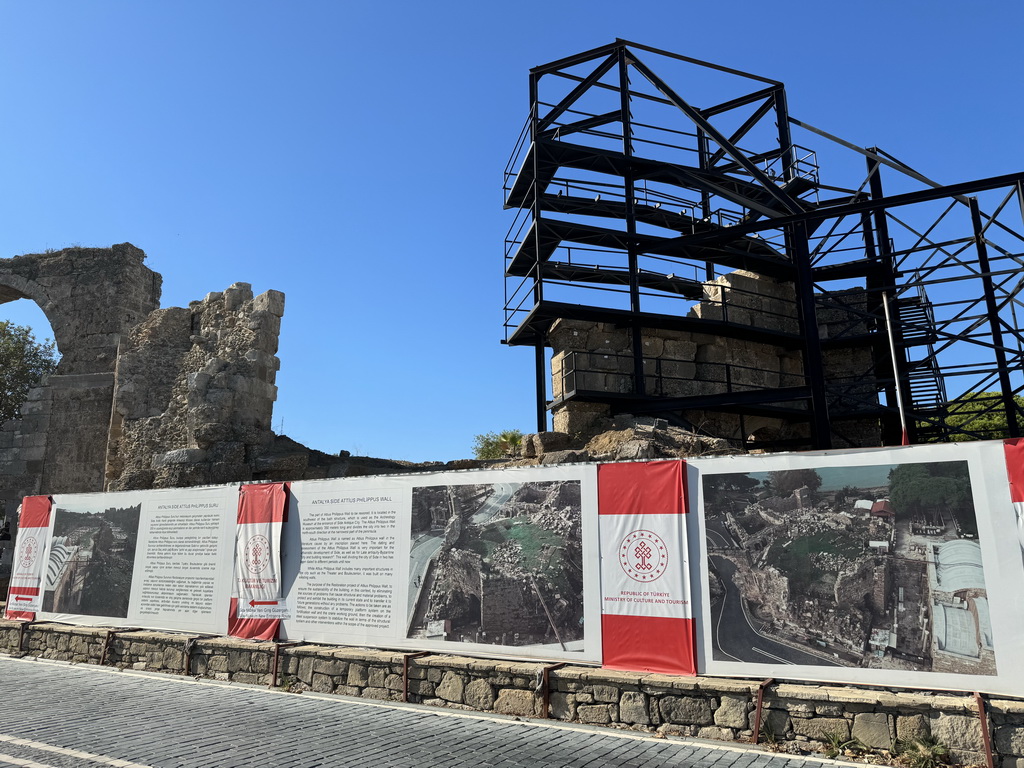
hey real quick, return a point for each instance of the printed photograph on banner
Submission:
(497, 564)
(92, 555)
(870, 566)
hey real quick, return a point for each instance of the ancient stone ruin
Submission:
(145, 397)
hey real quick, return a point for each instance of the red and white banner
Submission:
(257, 605)
(1014, 450)
(646, 621)
(31, 553)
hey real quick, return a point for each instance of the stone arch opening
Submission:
(24, 302)
(20, 383)
(91, 298)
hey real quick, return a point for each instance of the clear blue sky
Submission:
(350, 154)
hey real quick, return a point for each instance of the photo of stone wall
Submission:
(92, 555)
(875, 566)
(498, 564)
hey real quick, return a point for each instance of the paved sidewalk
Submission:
(56, 715)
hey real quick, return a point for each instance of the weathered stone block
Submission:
(544, 442)
(959, 732)
(911, 727)
(633, 708)
(261, 663)
(686, 710)
(479, 694)
(305, 670)
(1009, 740)
(562, 706)
(822, 728)
(330, 666)
(421, 687)
(732, 712)
(172, 658)
(593, 713)
(376, 676)
(775, 722)
(515, 702)
(605, 693)
(239, 661)
(452, 687)
(269, 301)
(873, 730)
(357, 675)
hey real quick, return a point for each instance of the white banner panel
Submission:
(886, 567)
(490, 561)
(644, 571)
(156, 559)
(257, 571)
(32, 552)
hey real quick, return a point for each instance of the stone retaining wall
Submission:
(796, 717)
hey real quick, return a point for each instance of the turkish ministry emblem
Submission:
(28, 554)
(257, 554)
(643, 556)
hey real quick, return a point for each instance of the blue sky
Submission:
(350, 154)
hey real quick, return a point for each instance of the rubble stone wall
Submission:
(797, 718)
(195, 391)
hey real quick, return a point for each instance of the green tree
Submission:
(785, 481)
(23, 362)
(497, 445)
(742, 483)
(982, 413)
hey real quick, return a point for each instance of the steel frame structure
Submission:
(625, 219)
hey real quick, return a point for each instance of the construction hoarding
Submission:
(897, 567)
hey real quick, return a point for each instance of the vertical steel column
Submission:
(639, 385)
(993, 320)
(887, 272)
(884, 362)
(540, 366)
(703, 154)
(540, 371)
(797, 247)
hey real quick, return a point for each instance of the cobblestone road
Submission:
(56, 715)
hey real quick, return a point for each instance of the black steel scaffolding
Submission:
(631, 200)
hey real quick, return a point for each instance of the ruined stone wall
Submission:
(598, 357)
(796, 718)
(194, 392)
(92, 297)
(681, 363)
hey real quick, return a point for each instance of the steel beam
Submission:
(778, 195)
(632, 246)
(1003, 371)
(576, 92)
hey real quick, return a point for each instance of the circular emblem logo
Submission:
(643, 556)
(257, 554)
(28, 553)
